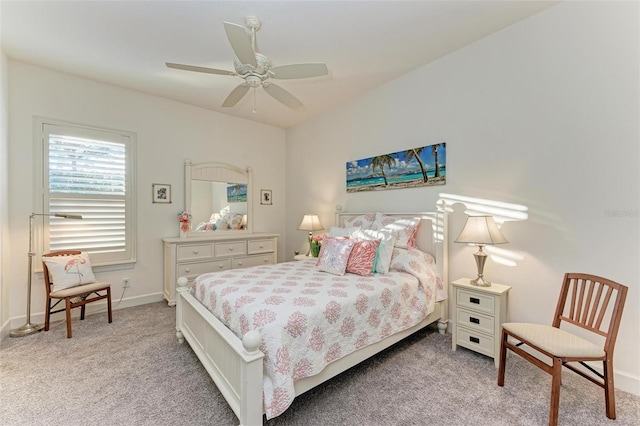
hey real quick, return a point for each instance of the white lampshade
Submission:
(481, 230)
(310, 222)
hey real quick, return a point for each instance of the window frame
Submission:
(42, 127)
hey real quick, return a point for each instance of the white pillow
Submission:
(405, 227)
(387, 239)
(335, 231)
(69, 271)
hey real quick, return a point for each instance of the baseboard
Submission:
(91, 308)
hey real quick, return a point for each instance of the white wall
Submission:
(167, 133)
(543, 114)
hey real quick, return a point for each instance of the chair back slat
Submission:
(586, 307)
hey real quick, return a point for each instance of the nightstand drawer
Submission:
(195, 252)
(231, 248)
(260, 246)
(190, 270)
(475, 320)
(478, 342)
(475, 300)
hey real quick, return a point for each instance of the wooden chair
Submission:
(73, 297)
(591, 297)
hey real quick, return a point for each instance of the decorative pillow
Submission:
(405, 227)
(234, 220)
(335, 231)
(364, 221)
(362, 257)
(69, 271)
(387, 239)
(221, 224)
(334, 255)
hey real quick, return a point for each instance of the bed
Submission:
(250, 371)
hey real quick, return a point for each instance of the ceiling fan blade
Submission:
(281, 95)
(199, 69)
(285, 72)
(235, 95)
(240, 43)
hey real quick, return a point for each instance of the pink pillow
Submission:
(362, 256)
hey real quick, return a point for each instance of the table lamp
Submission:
(480, 230)
(310, 222)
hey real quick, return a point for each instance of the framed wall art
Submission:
(266, 197)
(161, 193)
(423, 166)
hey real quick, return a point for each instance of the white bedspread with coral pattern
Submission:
(308, 318)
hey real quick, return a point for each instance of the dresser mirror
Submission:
(218, 197)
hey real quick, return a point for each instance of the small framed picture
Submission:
(161, 193)
(266, 197)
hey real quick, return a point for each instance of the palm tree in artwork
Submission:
(380, 161)
(410, 154)
(434, 151)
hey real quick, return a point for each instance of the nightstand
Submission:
(478, 315)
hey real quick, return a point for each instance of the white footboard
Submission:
(235, 366)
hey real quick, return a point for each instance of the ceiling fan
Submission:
(256, 69)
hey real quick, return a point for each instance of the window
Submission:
(89, 172)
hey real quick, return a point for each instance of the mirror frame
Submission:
(223, 173)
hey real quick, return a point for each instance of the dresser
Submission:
(478, 315)
(190, 257)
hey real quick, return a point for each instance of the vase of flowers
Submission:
(315, 243)
(184, 219)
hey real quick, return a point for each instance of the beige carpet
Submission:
(133, 372)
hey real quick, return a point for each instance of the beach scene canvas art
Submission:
(411, 168)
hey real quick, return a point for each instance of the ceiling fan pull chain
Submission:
(254, 101)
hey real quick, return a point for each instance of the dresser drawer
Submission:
(248, 261)
(191, 270)
(260, 246)
(475, 320)
(478, 342)
(194, 252)
(231, 248)
(477, 301)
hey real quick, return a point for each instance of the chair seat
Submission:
(79, 289)
(555, 341)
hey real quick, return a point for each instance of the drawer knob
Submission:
(195, 252)
(261, 246)
(187, 270)
(230, 248)
(240, 263)
(474, 339)
(266, 260)
(474, 320)
(220, 266)
(474, 300)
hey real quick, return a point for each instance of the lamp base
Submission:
(26, 330)
(480, 282)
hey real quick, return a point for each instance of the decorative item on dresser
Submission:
(478, 316)
(480, 230)
(190, 257)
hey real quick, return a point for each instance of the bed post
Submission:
(442, 222)
(182, 286)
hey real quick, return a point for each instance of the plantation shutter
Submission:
(87, 173)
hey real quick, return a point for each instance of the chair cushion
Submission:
(554, 340)
(79, 289)
(69, 271)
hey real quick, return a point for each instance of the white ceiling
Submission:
(364, 43)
